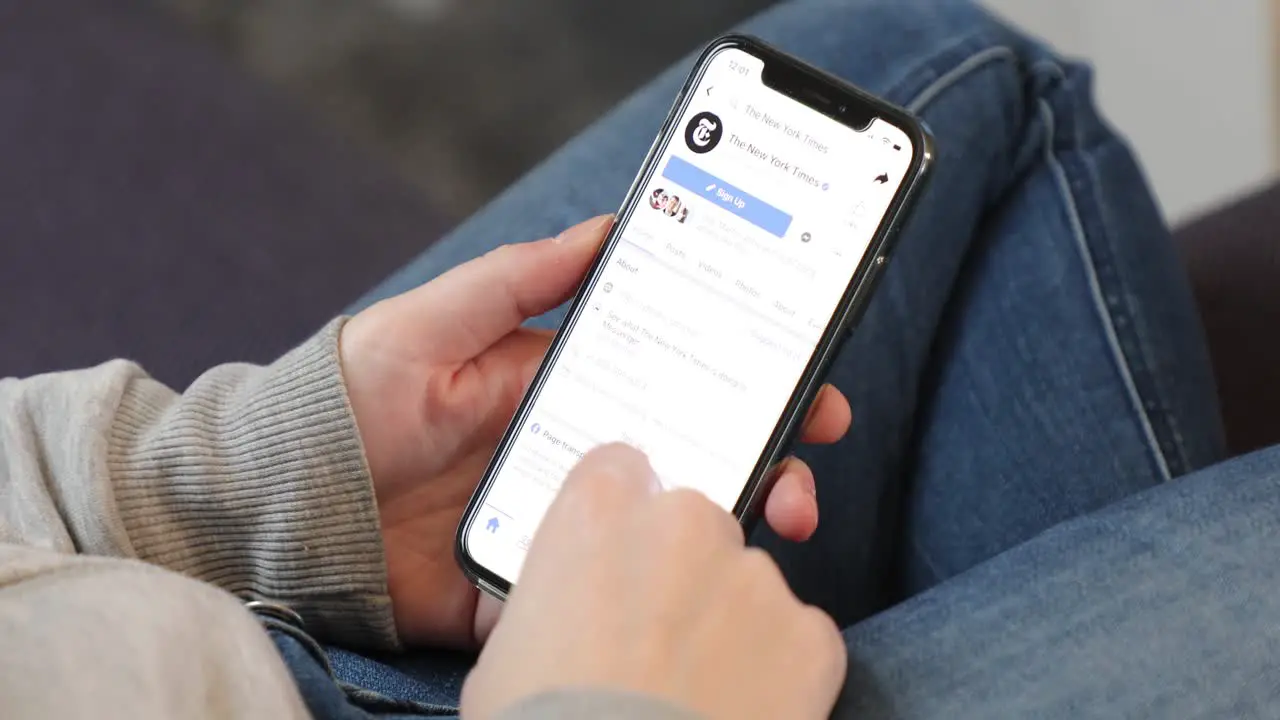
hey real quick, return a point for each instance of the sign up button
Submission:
(709, 187)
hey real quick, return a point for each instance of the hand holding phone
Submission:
(634, 589)
(433, 377)
(744, 253)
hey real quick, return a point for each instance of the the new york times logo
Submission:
(703, 132)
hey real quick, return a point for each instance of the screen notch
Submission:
(817, 93)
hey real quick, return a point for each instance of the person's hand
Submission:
(632, 589)
(434, 376)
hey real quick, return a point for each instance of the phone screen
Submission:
(694, 335)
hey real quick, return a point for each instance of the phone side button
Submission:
(873, 277)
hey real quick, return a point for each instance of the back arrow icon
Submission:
(882, 178)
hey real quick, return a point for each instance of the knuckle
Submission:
(756, 575)
(684, 506)
(820, 631)
(694, 514)
(758, 565)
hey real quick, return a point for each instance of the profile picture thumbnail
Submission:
(703, 132)
(669, 204)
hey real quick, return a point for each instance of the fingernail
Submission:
(811, 487)
(588, 230)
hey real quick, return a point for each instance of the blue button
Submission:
(709, 187)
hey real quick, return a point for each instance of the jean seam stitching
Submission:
(962, 69)
(1176, 455)
(304, 640)
(1118, 355)
(941, 83)
(1164, 422)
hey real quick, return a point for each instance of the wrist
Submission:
(255, 480)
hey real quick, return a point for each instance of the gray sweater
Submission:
(134, 520)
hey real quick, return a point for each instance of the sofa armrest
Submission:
(1233, 258)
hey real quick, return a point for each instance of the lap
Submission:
(1162, 605)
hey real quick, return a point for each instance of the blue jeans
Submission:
(1000, 533)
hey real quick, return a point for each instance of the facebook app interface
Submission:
(696, 334)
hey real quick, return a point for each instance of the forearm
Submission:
(253, 479)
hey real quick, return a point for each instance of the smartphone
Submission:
(739, 261)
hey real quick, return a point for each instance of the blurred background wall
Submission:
(462, 96)
(1194, 84)
(430, 83)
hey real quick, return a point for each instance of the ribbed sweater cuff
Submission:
(255, 480)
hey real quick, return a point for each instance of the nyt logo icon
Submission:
(703, 132)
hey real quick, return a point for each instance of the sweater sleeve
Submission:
(253, 480)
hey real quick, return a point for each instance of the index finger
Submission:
(605, 484)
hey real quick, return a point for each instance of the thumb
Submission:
(475, 304)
